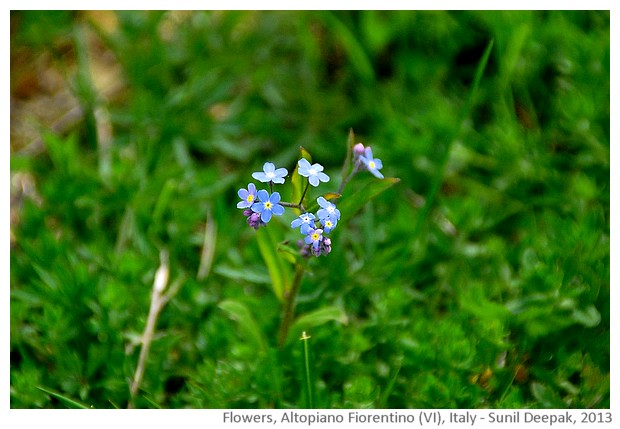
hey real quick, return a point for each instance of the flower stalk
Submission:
(288, 311)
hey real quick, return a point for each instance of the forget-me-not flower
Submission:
(328, 210)
(268, 205)
(248, 196)
(270, 174)
(329, 223)
(303, 222)
(314, 237)
(372, 164)
(313, 172)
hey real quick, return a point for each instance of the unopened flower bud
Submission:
(358, 149)
(254, 220)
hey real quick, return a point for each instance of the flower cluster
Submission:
(259, 206)
(315, 242)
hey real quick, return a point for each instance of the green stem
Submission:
(301, 200)
(345, 181)
(289, 306)
(309, 399)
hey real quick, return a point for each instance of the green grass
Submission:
(480, 279)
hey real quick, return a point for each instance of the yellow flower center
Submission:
(328, 224)
(268, 205)
(250, 198)
(315, 236)
(371, 164)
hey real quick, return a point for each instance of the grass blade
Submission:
(438, 178)
(71, 403)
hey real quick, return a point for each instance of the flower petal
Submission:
(275, 198)
(265, 216)
(303, 163)
(260, 176)
(377, 173)
(281, 172)
(277, 209)
(263, 195)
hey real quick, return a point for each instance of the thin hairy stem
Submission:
(301, 200)
(289, 306)
(345, 181)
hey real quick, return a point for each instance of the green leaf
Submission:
(278, 268)
(358, 57)
(290, 253)
(249, 274)
(347, 160)
(474, 301)
(316, 318)
(352, 203)
(71, 403)
(298, 181)
(241, 314)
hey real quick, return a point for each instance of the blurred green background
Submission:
(480, 280)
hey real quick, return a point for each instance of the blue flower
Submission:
(329, 223)
(248, 196)
(329, 210)
(372, 164)
(268, 205)
(314, 237)
(303, 222)
(270, 174)
(313, 172)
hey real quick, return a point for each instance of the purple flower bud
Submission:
(358, 149)
(254, 221)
